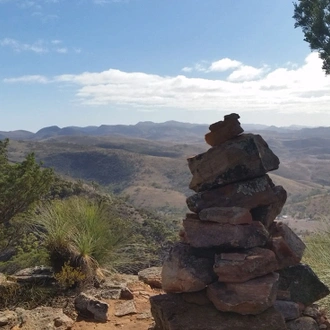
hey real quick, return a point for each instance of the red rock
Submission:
(184, 272)
(287, 246)
(199, 298)
(171, 312)
(230, 215)
(206, 234)
(244, 157)
(267, 214)
(251, 297)
(247, 194)
(246, 265)
(222, 131)
(289, 309)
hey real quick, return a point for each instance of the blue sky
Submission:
(93, 62)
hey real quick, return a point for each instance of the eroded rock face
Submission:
(251, 297)
(203, 234)
(171, 312)
(222, 131)
(225, 215)
(244, 157)
(247, 194)
(287, 246)
(90, 307)
(243, 266)
(184, 272)
(303, 284)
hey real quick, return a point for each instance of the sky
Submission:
(94, 62)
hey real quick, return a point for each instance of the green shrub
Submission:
(69, 276)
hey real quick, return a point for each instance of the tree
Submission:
(313, 16)
(21, 184)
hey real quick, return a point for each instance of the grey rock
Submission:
(303, 284)
(125, 308)
(302, 323)
(90, 307)
(40, 275)
(225, 215)
(289, 309)
(151, 276)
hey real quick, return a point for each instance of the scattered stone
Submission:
(302, 323)
(312, 311)
(244, 157)
(287, 246)
(243, 266)
(151, 276)
(247, 194)
(184, 272)
(225, 215)
(303, 284)
(43, 318)
(8, 319)
(125, 308)
(109, 294)
(251, 297)
(144, 316)
(206, 234)
(289, 309)
(222, 131)
(90, 307)
(171, 312)
(126, 294)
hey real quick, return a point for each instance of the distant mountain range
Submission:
(168, 131)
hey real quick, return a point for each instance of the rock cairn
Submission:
(236, 267)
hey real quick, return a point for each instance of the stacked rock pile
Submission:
(236, 267)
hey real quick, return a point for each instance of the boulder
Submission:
(244, 157)
(206, 234)
(245, 265)
(184, 272)
(287, 246)
(198, 298)
(125, 308)
(226, 215)
(289, 309)
(151, 276)
(90, 307)
(171, 312)
(303, 284)
(251, 297)
(302, 323)
(222, 131)
(247, 194)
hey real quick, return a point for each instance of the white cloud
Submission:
(62, 50)
(56, 42)
(302, 89)
(246, 73)
(224, 64)
(36, 47)
(187, 69)
(28, 79)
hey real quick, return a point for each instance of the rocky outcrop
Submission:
(236, 266)
(91, 307)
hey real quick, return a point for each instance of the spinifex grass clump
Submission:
(81, 233)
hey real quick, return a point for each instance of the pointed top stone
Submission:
(224, 130)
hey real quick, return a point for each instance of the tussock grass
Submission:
(80, 232)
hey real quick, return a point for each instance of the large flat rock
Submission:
(245, 265)
(244, 157)
(206, 234)
(171, 312)
(303, 284)
(247, 194)
(251, 297)
(185, 272)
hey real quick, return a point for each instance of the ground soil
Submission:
(142, 320)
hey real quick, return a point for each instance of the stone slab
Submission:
(231, 215)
